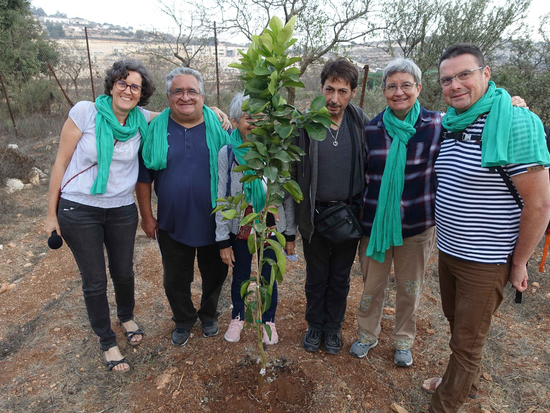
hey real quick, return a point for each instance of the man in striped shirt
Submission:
(484, 238)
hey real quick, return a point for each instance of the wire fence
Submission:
(35, 103)
(76, 71)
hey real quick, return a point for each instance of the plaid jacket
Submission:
(418, 200)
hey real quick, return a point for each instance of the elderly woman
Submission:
(402, 143)
(232, 239)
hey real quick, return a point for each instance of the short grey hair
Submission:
(235, 110)
(180, 71)
(401, 65)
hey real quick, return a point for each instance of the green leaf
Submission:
(318, 103)
(255, 164)
(266, 41)
(218, 208)
(285, 34)
(257, 105)
(323, 120)
(271, 173)
(297, 149)
(278, 49)
(293, 189)
(261, 71)
(247, 219)
(251, 244)
(283, 131)
(316, 131)
(261, 148)
(281, 259)
(244, 287)
(292, 83)
(249, 178)
(281, 238)
(255, 85)
(229, 214)
(241, 168)
(292, 60)
(293, 71)
(252, 154)
(276, 24)
(283, 156)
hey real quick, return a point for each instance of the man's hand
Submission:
(227, 256)
(222, 117)
(149, 226)
(518, 277)
(290, 247)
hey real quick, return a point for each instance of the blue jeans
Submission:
(85, 230)
(241, 272)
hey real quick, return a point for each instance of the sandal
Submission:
(130, 334)
(113, 363)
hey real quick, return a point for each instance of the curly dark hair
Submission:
(119, 70)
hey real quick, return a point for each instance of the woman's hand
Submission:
(224, 120)
(51, 224)
(227, 255)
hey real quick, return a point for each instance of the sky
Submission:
(146, 14)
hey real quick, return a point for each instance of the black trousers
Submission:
(178, 261)
(328, 269)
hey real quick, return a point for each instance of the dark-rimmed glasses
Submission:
(461, 77)
(122, 85)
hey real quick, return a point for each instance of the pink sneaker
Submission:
(233, 333)
(274, 335)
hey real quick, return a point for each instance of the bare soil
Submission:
(50, 359)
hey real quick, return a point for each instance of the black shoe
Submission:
(180, 336)
(210, 328)
(312, 340)
(333, 343)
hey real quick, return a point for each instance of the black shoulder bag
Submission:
(337, 223)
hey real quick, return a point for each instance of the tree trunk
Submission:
(291, 95)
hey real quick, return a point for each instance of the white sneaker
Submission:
(233, 333)
(274, 335)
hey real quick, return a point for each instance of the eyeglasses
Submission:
(122, 85)
(405, 87)
(178, 94)
(461, 77)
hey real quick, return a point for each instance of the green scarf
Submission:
(155, 147)
(254, 190)
(107, 128)
(510, 135)
(386, 228)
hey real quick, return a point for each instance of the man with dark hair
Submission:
(331, 173)
(483, 236)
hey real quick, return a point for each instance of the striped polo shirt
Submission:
(477, 218)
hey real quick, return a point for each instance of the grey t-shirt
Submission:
(335, 166)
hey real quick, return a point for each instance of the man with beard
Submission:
(326, 180)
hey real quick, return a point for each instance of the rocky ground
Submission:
(50, 360)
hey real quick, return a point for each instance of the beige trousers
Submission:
(409, 262)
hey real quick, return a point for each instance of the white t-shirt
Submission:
(124, 168)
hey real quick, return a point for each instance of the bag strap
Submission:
(351, 175)
(74, 176)
(230, 160)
